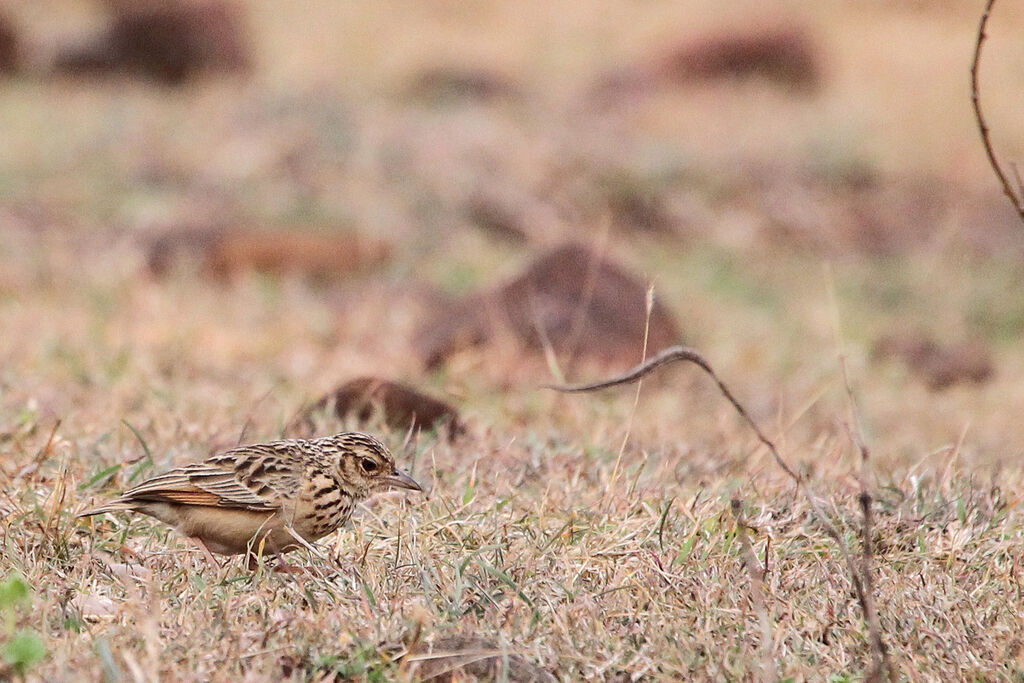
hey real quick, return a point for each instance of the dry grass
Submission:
(540, 548)
(517, 541)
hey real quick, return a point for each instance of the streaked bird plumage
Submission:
(269, 498)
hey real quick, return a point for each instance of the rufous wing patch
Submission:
(189, 497)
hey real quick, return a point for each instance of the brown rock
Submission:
(940, 366)
(224, 253)
(401, 406)
(583, 303)
(786, 56)
(169, 42)
(10, 50)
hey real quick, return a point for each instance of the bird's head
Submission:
(367, 465)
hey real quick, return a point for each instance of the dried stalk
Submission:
(682, 353)
(1014, 197)
(768, 670)
(880, 661)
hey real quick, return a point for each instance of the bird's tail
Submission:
(112, 506)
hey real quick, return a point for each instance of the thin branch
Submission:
(880, 661)
(1014, 198)
(671, 355)
(682, 353)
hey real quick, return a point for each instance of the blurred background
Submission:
(225, 209)
(224, 221)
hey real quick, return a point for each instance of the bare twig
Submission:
(682, 353)
(1017, 179)
(671, 355)
(753, 567)
(1014, 197)
(44, 453)
(879, 651)
(880, 660)
(881, 664)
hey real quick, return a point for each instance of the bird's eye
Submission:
(369, 466)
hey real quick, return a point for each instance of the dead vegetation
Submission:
(860, 574)
(647, 535)
(1016, 196)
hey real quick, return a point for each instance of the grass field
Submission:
(579, 537)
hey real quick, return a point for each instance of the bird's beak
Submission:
(400, 480)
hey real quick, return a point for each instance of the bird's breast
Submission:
(316, 522)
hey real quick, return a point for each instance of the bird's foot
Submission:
(281, 567)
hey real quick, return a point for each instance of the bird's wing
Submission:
(246, 478)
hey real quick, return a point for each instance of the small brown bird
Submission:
(267, 498)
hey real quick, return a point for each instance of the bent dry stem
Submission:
(859, 576)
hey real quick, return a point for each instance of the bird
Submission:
(268, 498)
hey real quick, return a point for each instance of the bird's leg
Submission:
(282, 566)
(198, 542)
(253, 561)
(285, 568)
